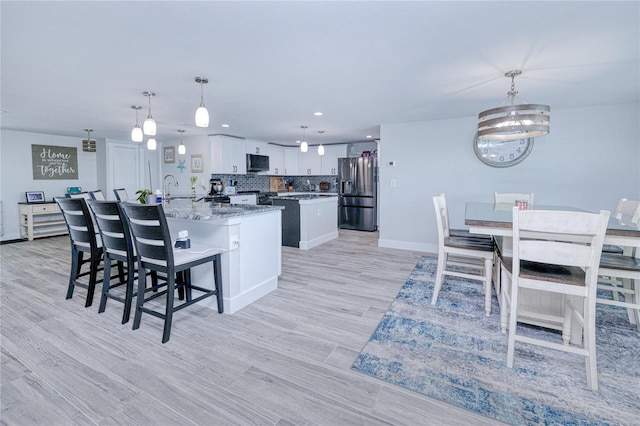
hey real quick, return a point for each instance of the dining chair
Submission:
(121, 194)
(557, 252)
(155, 250)
(460, 232)
(83, 241)
(118, 248)
(511, 198)
(619, 272)
(461, 257)
(97, 195)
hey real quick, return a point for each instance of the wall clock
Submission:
(502, 153)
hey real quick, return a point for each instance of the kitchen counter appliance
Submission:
(357, 192)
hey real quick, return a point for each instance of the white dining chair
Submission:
(620, 268)
(557, 252)
(475, 256)
(511, 198)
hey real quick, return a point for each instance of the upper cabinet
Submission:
(256, 147)
(330, 158)
(276, 160)
(228, 155)
(291, 161)
(310, 163)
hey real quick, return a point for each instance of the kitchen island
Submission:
(308, 220)
(251, 237)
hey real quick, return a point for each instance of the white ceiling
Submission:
(67, 66)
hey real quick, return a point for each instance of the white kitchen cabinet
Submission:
(291, 163)
(276, 160)
(310, 163)
(253, 146)
(330, 158)
(228, 155)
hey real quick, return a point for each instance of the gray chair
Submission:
(97, 195)
(121, 194)
(156, 253)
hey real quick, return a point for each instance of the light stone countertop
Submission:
(205, 210)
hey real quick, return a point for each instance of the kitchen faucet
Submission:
(164, 182)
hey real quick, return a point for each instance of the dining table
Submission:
(497, 220)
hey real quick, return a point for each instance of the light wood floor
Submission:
(285, 360)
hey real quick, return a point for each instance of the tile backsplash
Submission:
(256, 182)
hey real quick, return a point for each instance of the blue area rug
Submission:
(454, 353)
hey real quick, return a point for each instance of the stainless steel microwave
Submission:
(257, 163)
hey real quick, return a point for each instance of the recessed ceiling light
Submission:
(369, 136)
(225, 125)
(298, 142)
(317, 113)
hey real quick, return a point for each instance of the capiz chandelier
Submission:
(515, 120)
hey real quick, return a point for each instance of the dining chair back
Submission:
(117, 246)
(97, 195)
(156, 253)
(461, 257)
(557, 252)
(511, 198)
(121, 194)
(83, 241)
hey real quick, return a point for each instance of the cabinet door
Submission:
(256, 147)
(310, 162)
(276, 160)
(330, 158)
(291, 162)
(228, 155)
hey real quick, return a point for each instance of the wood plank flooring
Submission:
(284, 360)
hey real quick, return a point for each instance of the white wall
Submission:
(17, 177)
(589, 160)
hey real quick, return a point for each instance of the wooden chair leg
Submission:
(166, 334)
(93, 278)
(76, 260)
(142, 281)
(488, 275)
(218, 282)
(442, 261)
(128, 296)
(106, 285)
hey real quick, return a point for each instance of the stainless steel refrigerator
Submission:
(358, 191)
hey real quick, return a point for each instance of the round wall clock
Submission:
(502, 153)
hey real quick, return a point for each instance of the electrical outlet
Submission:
(234, 242)
(393, 183)
(319, 212)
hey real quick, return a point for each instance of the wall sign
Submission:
(54, 162)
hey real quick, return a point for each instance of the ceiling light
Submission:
(317, 114)
(151, 144)
(136, 133)
(149, 125)
(304, 146)
(88, 144)
(514, 121)
(181, 148)
(369, 136)
(320, 147)
(202, 115)
(225, 125)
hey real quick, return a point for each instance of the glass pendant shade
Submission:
(202, 116)
(320, 150)
(149, 126)
(136, 134)
(304, 146)
(151, 144)
(182, 149)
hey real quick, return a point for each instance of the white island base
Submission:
(253, 262)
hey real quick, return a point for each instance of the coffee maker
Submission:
(216, 187)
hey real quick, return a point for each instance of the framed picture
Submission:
(35, 196)
(196, 164)
(169, 154)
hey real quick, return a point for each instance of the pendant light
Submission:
(320, 147)
(202, 115)
(136, 133)
(88, 144)
(304, 146)
(181, 148)
(514, 121)
(151, 144)
(149, 125)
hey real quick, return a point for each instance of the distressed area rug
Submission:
(454, 353)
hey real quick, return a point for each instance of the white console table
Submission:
(41, 220)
